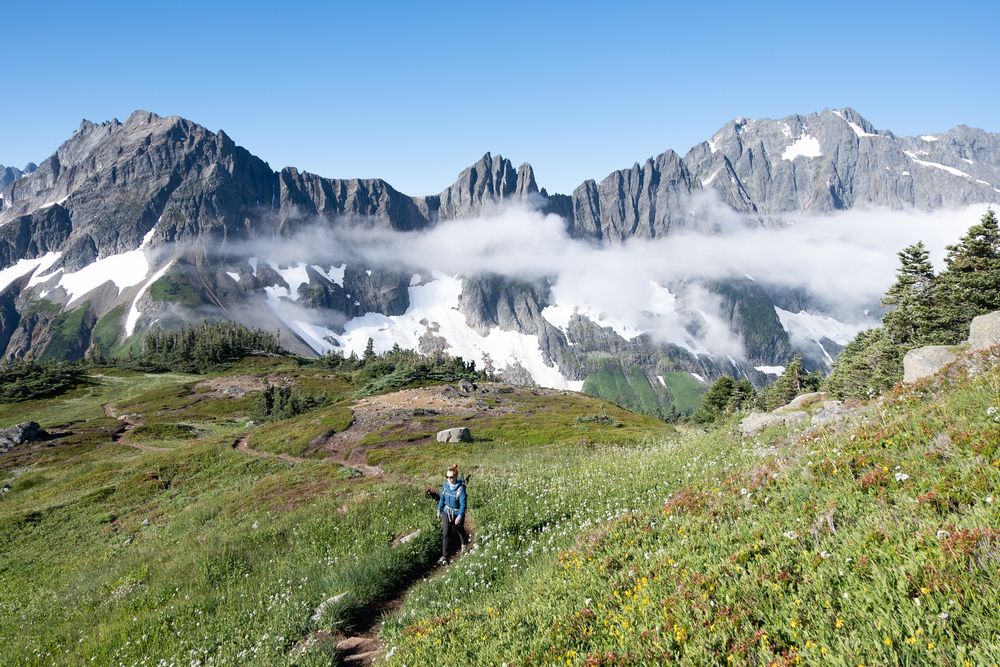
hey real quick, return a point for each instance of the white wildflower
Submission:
(901, 476)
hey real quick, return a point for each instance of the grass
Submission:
(685, 391)
(631, 389)
(870, 546)
(596, 544)
(175, 288)
(70, 335)
(109, 329)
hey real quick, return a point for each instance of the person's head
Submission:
(452, 473)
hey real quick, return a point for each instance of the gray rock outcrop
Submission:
(756, 422)
(923, 362)
(18, 435)
(455, 435)
(984, 332)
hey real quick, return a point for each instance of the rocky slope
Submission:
(146, 222)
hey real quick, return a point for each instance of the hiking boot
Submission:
(442, 561)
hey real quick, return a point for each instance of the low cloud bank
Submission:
(845, 261)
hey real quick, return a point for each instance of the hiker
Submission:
(451, 511)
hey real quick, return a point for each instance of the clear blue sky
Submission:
(414, 92)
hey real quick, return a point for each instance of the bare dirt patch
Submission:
(401, 409)
(238, 386)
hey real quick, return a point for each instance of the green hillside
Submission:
(163, 521)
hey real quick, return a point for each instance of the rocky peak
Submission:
(485, 183)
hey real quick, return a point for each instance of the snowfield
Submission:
(433, 311)
(125, 270)
(804, 327)
(23, 267)
(804, 146)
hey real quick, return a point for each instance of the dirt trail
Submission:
(243, 447)
(363, 646)
(129, 422)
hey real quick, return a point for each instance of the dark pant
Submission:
(450, 533)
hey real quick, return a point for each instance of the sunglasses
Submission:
(450, 476)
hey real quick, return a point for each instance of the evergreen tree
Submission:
(716, 399)
(911, 296)
(742, 397)
(927, 309)
(792, 382)
(970, 285)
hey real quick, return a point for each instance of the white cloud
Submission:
(846, 260)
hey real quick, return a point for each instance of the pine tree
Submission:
(714, 402)
(742, 397)
(911, 295)
(970, 285)
(789, 384)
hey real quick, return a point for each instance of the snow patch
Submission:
(295, 275)
(559, 315)
(711, 178)
(415, 280)
(858, 130)
(662, 381)
(53, 203)
(335, 274)
(813, 326)
(133, 312)
(697, 377)
(804, 146)
(434, 309)
(232, 274)
(771, 370)
(125, 270)
(23, 267)
(942, 167)
(929, 137)
(253, 266)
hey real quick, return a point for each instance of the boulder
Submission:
(18, 435)
(792, 418)
(755, 422)
(455, 435)
(805, 400)
(926, 361)
(465, 386)
(984, 332)
(830, 411)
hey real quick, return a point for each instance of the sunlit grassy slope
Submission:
(113, 555)
(603, 537)
(875, 545)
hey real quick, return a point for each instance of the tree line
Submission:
(923, 308)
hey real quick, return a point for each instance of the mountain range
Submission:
(156, 221)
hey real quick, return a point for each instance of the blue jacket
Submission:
(453, 498)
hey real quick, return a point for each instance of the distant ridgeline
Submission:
(156, 224)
